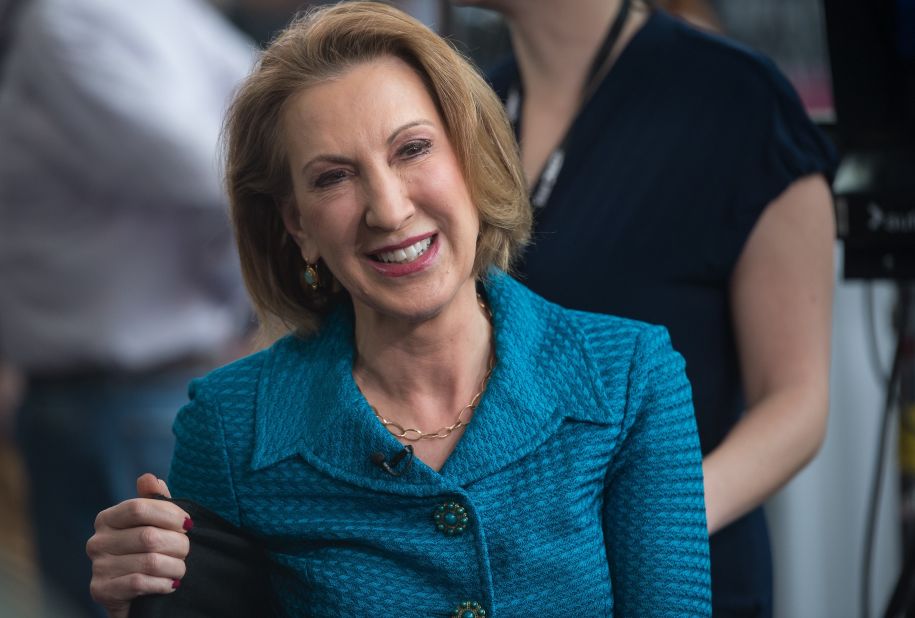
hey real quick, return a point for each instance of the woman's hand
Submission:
(138, 548)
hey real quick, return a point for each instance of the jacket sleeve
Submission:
(654, 508)
(200, 469)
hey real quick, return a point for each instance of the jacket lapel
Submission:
(309, 405)
(539, 364)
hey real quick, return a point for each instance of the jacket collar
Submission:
(309, 405)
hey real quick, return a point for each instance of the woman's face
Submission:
(378, 191)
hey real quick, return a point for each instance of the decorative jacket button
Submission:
(468, 609)
(450, 518)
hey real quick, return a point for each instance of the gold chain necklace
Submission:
(414, 435)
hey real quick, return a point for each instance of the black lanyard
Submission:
(543, 188)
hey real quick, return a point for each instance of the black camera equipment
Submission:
(872, 56)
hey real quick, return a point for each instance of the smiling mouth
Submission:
(404, 255)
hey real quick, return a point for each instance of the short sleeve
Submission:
(654, 509)
(776, 144)
(200, 469)
(792, 146)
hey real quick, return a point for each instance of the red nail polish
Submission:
(188, 523)
(176, 583)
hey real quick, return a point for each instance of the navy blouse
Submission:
(669, 166)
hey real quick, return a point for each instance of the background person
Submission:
(693, 193)
(118, 278)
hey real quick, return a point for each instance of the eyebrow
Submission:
(409, 125)
(328, 158)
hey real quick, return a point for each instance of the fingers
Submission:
(117, 593)
(138, 548)
(144, 512)
(142, 540)
(140, 526)
(149, 486)
(130, 562)
(152, 566)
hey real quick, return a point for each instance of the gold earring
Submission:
(310, 276)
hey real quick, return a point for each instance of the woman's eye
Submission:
(415, 148)
(329, 178)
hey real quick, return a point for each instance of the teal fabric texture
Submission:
(575, 490)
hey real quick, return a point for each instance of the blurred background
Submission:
(819, 522)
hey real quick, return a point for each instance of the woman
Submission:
(378, 198)
(695, 189)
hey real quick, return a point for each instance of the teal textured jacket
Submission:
(575, 490)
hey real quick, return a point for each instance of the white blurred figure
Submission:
(118, 279)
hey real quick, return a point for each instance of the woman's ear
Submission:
(293, 222)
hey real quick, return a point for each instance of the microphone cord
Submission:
(892, 384)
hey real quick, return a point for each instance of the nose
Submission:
(388, 204)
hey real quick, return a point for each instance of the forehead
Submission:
(366, 102)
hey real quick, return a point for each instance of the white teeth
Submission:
(405, 255)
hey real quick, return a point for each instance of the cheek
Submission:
(461, 199)
(332, 224)
(444, 183)
(311, 209)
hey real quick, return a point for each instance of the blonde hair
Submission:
(322, 44)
